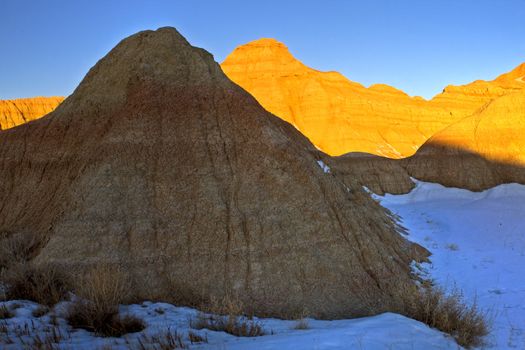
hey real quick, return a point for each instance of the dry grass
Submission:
(196, 338)
(40, 311)
(5, 313)
(446, 312)
(49, 340)
(166, 340)
(18, 248)
(100, 293)
(301, 324)
(226, 316)
(238, 326)
(46, 284)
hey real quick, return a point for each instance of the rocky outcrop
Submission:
(159, 163)
(341, 116)
(23, 110)
(476, 153)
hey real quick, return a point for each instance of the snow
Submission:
(322, 165)
(386, 331)
(477, 241)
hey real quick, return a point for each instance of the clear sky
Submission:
(420, 46)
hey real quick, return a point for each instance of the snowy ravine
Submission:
(477, 241)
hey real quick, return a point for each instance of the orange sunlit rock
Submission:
(23, 110)
(341, 116)
(494, 132)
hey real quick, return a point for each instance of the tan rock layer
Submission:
(158, 162)
(23, 110)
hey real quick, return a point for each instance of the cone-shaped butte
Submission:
(159, 163)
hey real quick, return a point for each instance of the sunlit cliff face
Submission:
(494, 132)
(23, 110)
(341, 116)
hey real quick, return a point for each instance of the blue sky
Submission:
(46, 47)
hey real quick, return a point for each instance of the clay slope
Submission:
(160, 163)
(23, 110)
(476, 153)
(341, 116)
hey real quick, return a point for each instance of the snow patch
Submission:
(323, 166)
(477, 241)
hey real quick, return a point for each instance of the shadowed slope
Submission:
(160, 163)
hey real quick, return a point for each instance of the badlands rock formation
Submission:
(160, 163)
(341, 116)
(476, 153)
(23, 110)
(480, 151)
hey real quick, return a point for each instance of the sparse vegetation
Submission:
(196, 338)
(226, 316)
(46, 284)
(17, 248)
(166, 340)
(40, 311)
(239, 326)
(100, 293)
(5, 313)
(446, 312)
(301, 324)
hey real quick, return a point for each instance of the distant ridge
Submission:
(341, 116)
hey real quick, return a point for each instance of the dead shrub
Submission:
(448, 313)
(18, 248)
(196, 338)
(226, 316)
(165, 340)
(5, 313)
(44, 284)
(301, 324)
(40, 311)
(239, 326)
(100, 293)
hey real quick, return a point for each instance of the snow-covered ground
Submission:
(386, 331)
(477, 241)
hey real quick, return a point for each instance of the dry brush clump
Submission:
(18, 248)
(100, 292)
(164, 340)
(447, 312)
(5, 313)
(45, 284)
(226, 316)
